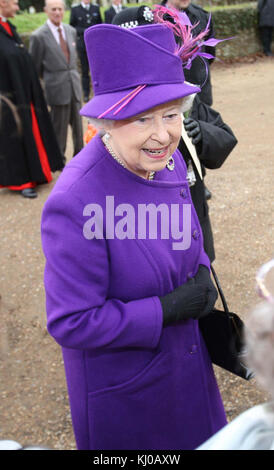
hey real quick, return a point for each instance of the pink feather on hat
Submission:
(191, 46)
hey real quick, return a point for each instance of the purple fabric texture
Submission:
(121, 59)
(132, 383)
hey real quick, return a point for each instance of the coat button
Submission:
(195, 234)
(183, 192)
(194, 349)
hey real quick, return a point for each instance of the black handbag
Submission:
(223, 332)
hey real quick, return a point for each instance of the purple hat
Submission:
(132, 70)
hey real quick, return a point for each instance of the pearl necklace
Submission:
(170, 164)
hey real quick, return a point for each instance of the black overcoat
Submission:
(82, 18)
(217, 142)
(266, 13)
(19, 159)
(110, 13)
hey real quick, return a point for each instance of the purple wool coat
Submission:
(132, 383)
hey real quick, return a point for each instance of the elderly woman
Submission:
(126, 276)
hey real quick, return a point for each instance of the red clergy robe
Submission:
(37, 137)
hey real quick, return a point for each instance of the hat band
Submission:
(125, 100)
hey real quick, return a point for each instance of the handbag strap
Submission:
(230, 315)
(217, 282)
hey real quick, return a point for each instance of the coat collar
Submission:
(15, 36)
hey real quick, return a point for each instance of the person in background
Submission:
(115, 8)
(266, 24)
(254, 429)
(29, 150)
(83, 16)
(53, 49)
(213, 141)
(138, 372)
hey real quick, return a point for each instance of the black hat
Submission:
(134, 16)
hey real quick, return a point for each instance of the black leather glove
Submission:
(194, 299)
(193, 130)
(203, 277)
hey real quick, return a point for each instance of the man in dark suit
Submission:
(115, 8)
(82, 17)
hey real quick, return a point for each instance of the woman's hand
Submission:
(193, 130)
(194, 299)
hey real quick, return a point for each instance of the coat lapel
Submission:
(54, 44)
(15, 36)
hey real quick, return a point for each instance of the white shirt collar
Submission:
(53, 26)
(84, 5)
(3, 19)
(117, 8)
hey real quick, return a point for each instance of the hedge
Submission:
(240, 23)
(210, 3)
(234, 20)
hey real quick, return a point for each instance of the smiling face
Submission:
(145, 143)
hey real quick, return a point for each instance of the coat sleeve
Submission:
(218, 140)
(75, 23)
(73, 19)
(80, 314)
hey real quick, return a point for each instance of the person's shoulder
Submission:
(68, 27)
(76, 7)
(41, 30)
(11, 25)
(251, 430)
(196, 9)
(95, 8)
(83, 173)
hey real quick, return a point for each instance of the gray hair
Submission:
(106, 124)
(259, 338)
(102, 125)
(46, 2)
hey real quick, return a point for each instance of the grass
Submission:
(26, 23)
